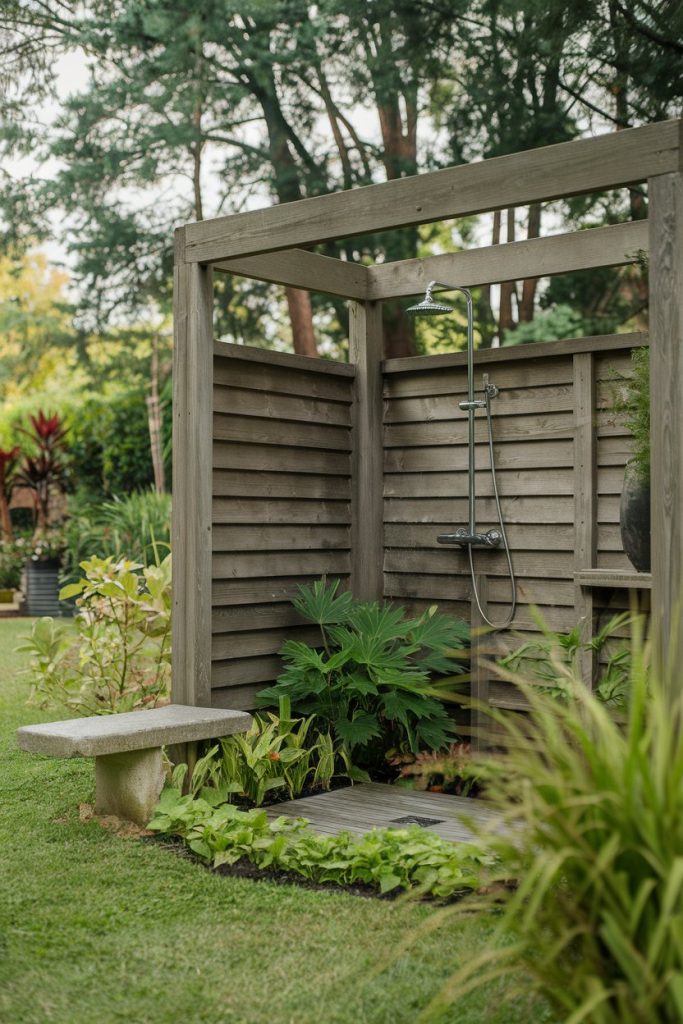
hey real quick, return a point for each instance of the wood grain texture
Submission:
(571, 168)
(191, 519)
(303, 269)
(666, 391)
(537, 257)
(286, 360)
(366, 349)
(585, 499)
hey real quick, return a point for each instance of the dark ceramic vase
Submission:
(634, 519)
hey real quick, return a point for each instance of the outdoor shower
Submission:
(468, 537)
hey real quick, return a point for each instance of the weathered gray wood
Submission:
(614, 578)
(532, 509)
(239, 455)
(572, 168)
(479, 670)
(226, 593)
(549, 427)
(303, 269)
(287, 360)
(558, 592)
(242, 618)
(522, 537)
(520, 401)
(511, 483)
(521, 455)
(280, 538)
(666, 396)
(244, 402)
(280, 510)
(240, 483)
(539, 563)
(360, 808)
(237, 672)
(232, 371)
(191, 519)
(260, 641)
(541, 349)
(585, 499)
(536, 257)
(257, 430)
(365, 350)
(279, 563)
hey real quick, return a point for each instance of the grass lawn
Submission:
(94, 928)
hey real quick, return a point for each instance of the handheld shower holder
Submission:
(491, 539)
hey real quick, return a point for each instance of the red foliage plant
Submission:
(45, 469)
(8, 467)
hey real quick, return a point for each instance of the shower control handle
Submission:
(478, 403)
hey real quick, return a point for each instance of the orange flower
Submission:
(274, 756)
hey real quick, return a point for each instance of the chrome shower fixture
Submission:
(469, 537)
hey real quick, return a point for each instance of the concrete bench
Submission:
(127, 749)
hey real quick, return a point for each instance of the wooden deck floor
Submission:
(371, 805)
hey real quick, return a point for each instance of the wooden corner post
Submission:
(666, 403)
(192, 450)
(367, 518)
(585, 500)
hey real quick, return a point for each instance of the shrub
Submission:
(633, 399)
(449, 771)
(372, 675)
(386, 859)
(279, 753)
(596, 841)
(119, 657)
(138, 525)
(12, 558)
(552, 660)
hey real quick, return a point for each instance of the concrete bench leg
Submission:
(128, 785)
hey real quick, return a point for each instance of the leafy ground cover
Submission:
(100, 928)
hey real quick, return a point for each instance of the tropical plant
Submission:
(138, 526)
(43, 468)
(8, 469)
(278, 752)
(448, 771)
(552, 660)
(371, 677)
(385, 859)
(11, 566)
(119, 657)
(592, 828)
(632, 398)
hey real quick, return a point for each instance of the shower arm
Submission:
(470, 394)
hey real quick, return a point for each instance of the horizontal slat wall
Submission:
(426, 487)
(281, 505)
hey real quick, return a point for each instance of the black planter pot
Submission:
(634, 519)
(42, 588)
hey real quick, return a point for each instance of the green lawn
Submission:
(95, 928)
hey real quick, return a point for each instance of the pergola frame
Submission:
(269, 244)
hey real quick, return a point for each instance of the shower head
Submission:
(428, 306)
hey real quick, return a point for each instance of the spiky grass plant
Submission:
(593, 811)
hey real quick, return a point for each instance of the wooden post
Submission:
(585, 504)
(367, 514)
(192, 452)
(666, 402)
(478, 669)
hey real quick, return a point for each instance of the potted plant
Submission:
(634, 511)
(43, 471)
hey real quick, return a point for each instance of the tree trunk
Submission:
(526, 306)
(507, 289)
(301, 317)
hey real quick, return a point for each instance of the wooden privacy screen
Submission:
(560, 453)
(280, 505)
(282, 489)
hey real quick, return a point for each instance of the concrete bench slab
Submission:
(127, 749)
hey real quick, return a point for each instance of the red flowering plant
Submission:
(44, 469)
(9, 461)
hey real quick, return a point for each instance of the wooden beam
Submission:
(367, 527)
(537, 175)
(192, 449)
(666, 400)
(585, 499)
(536, 257)
(302, 269)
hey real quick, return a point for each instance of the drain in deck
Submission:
(414, 819)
